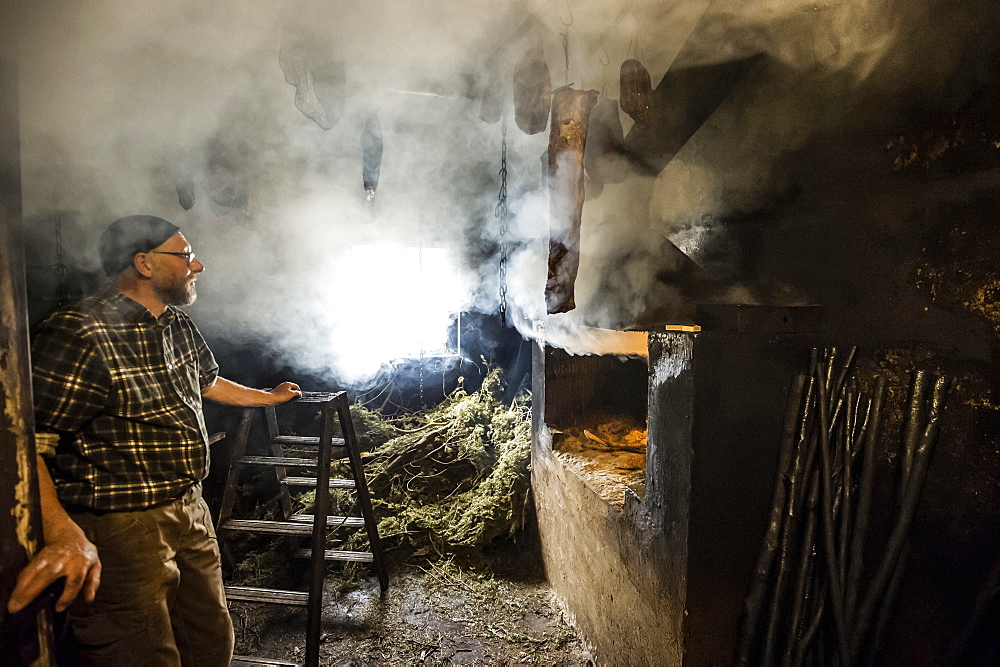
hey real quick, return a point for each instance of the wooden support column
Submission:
(20, 519)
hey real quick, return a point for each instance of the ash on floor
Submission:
(435, 614)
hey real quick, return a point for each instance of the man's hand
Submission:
(69, 554)
(285, 392)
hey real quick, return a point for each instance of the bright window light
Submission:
(392, 302)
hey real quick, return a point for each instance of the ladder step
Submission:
(331, 521)
(276, 461)
(305, 440)
(332, 554)
(270, 527)
(315, 397)
(269, 595)
(312, 481)
(247, 660)
(288, 527)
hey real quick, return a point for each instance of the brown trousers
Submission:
(161, 599)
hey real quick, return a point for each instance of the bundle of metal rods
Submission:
(817, 596)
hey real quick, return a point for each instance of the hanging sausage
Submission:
(181, 174)
(567, 140)
(371, 155)
(532, 91)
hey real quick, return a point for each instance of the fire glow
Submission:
(400, 305)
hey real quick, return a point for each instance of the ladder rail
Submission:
(363, 495)
(314, 612)
(284, 497)
(239, 450)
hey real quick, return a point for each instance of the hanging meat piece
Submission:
(371, 155)
(532, 92)
(180, 171)
(318, 79)
(185, 194)
(636, 92)
(567, 141)
(605, 157)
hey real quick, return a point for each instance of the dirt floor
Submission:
(435, 613)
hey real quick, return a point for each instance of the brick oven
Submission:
(652, 558)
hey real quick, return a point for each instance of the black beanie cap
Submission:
(125, 237)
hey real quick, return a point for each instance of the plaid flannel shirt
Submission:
(123, 391)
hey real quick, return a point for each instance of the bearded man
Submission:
(118, 384)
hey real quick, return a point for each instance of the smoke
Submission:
(129, 107)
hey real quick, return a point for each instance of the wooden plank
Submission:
(277, 461)
(304, 440)
(333, 554)
(332, 521)
(248, 660)
(313, 482)
(316, 397)
(266, 595)
(302, 528)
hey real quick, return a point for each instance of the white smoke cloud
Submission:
(118, 99)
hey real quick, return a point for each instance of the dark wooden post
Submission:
(20, 520)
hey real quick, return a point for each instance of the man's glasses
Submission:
(188, 256)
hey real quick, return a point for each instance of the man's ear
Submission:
(143, 264)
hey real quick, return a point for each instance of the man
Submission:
(118, 382)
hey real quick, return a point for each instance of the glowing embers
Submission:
(392, 302)
(609, 456)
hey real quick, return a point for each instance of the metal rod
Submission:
(887, 603)
(810, 634)
(829, 545)
(913, 428)
(798, 485)
(837, 390)
(865, 490)
(805, 570)
(908, 507)
(845, 487)
(807, 434)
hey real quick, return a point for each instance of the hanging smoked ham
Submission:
(567, 141)
(605, 157)
(532, 92)
(636, 92)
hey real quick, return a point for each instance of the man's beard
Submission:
(183, 294)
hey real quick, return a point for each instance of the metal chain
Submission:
(501, 213)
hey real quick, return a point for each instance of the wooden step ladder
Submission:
(333, 406)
